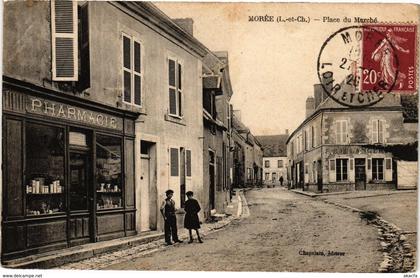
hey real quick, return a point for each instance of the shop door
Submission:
(80, 179)
(360, 173)
(81, 222)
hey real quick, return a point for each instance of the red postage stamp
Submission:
(358, 65)
(392, 58)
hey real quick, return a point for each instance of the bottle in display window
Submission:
(44, 186)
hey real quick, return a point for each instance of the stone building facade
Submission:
(337, 148)
(274, 159)
(101, 115)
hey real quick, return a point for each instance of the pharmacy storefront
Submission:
(68, 171)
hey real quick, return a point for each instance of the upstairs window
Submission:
(378, 131)
(280, 164)
(267, 164)
(341, 132)
(64, 37)
(175, 73)
(132, 70)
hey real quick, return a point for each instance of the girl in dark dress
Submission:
(191, 220)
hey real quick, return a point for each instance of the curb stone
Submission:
(397, 253)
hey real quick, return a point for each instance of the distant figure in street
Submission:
(281, 180)
(191, 220)
(168, 212)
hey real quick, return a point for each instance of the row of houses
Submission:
(337, 148)
(106, 105)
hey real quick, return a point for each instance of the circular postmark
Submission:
(348, 62)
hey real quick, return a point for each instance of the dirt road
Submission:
(284, 232)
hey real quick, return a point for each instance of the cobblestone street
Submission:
(284, 232)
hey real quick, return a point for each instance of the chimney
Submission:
(310, 106)
(319, 94)
(187, 24)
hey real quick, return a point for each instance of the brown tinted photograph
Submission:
(216, 136)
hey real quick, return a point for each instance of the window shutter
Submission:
(388, 163)
(172, 101)
(137, 73)
(337, 132)
(375, 131)
(332, 175)
(84, 76)
(174, 162)
(351, 176)
(179, 77)
(388, 169)
(380, 131)
(188, 163)
(344, 132)
(64, 40)
(171, 73)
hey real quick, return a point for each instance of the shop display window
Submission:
(44, 169)
(108, 172)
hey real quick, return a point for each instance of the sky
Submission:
(273, 65)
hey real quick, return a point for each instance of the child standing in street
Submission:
(191, 220)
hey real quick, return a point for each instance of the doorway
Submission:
(360, 173)
(148, 188)
(319, 175)
(211, 181)
(81, 205)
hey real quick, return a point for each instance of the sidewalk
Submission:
(126, 247)
(353, 194)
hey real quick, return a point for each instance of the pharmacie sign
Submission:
(58, 110)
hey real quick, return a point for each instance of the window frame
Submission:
(132, 71)
(377, 125)
(339, 169)
(376, 168)
(280, 163)
(267, 164)
(179, 107)
(341, 137)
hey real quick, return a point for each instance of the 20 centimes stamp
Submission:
(358, 65)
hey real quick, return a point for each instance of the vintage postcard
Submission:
(216, 136)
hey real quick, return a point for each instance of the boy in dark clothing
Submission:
(191, 220)
(168, 212)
